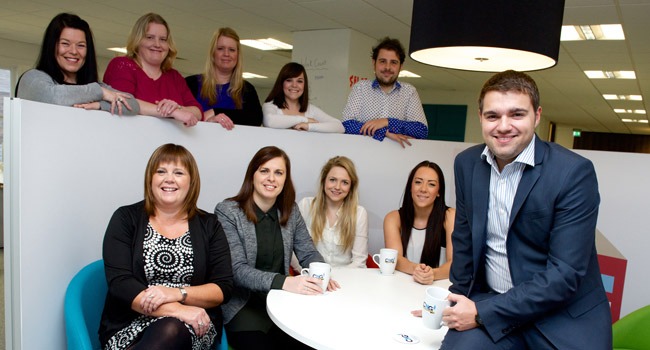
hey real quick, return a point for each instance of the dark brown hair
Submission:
(511, 80)
(391, 45)
(435, 231)
(285, 200)
(289, 70)
(47, 59)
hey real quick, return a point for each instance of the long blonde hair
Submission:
(209, 87)
(139, 31)
(348, 212)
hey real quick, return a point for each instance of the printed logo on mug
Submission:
(319, 270)
(429, 308)
(435, 301)
(387, 260)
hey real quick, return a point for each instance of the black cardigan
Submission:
(124, 264)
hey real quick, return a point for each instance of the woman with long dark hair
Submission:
(264, 228)
(421, 229)
(66, 71)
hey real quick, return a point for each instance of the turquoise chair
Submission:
(84, 302)
(632, 332)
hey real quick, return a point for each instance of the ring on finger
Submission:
(119, 99)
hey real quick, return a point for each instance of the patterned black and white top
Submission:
(167, 262)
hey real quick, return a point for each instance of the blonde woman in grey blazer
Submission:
(264, 227)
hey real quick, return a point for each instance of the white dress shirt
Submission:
(503, 187)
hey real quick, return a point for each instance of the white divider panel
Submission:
(72, 168)
(67, 170)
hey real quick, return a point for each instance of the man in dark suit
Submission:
(525, 273)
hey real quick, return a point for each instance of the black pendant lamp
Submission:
(487, 35)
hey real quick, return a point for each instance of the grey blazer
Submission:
(243, 251)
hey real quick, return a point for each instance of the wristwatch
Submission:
(478, 320)
(184, 295)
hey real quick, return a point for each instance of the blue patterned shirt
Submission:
(402, 106)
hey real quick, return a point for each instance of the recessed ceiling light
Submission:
(266, 44)
(623, 110)
(248, 75)
(642, 121)
(592, 32)
(606, 74)
(623, 97)
(407, 74)
(118, 49)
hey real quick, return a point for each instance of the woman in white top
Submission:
(288, 107)
(421, 229)
(336, 223)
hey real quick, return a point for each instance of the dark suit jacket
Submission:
(550, 244)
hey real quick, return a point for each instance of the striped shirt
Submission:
(503, 187)
(402, 106)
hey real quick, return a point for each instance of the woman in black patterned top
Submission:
(167, 263)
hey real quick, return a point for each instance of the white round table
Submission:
(370, 311)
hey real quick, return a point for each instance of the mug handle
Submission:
(304, 272)
(376, 260)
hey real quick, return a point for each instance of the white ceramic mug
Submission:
(387, 260)
(435, 301)
(322, 271)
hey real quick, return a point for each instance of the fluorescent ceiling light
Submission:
(623, 110)
(642, 121)
(570, 33)
(267, 44)
(625, 74)
(612, 32)
(587, 32)
(592, 32)
(617, 74)
(118, 49)
(623, 97)
(248, 75)
(407, 74)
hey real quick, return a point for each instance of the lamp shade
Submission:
(487, 36)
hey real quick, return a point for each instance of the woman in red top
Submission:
(146, 72)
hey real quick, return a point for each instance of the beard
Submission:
(386, 81)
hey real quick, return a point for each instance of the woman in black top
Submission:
(167, 263)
